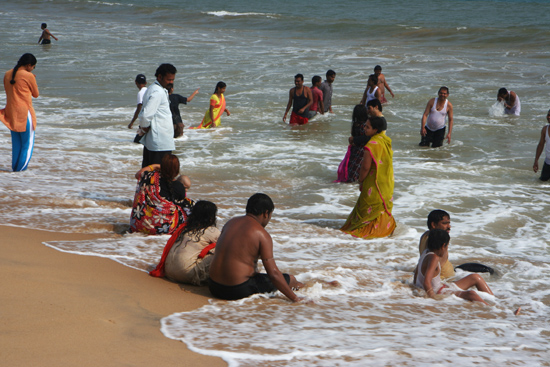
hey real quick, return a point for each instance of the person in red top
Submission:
(317, 95)
(18, 115)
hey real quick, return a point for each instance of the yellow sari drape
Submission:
(372, 216)
(219, 108)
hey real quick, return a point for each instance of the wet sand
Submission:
(62, 309)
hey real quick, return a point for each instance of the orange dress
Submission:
(19, 100)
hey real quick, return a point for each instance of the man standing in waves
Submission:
(299, 98)
(233, 272)
(155, 117)
(326, 88)
(432, 127)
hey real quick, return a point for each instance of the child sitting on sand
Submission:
(428, 271)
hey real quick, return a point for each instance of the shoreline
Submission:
(61, 309)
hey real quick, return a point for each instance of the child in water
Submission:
(427, 274)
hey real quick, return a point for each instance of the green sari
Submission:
(372, 216)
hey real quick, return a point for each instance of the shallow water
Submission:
(80, 178)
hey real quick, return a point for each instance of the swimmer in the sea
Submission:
(512, 105)
(46, 34)
(382, 84)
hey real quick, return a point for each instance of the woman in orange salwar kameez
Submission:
(212, 117)
(372, 216)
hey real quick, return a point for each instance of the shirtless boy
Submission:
(244, 240)
(544, 141)
(45, 37)
(438, 219)
(382, 84)
(299, 98)
(432, 127)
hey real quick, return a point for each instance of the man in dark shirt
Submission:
(175, 100)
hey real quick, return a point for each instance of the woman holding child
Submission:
(160, 203)
(371, 217)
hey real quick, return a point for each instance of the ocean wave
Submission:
(223, 13)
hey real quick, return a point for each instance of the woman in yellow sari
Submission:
(372, 216)
(212, 117)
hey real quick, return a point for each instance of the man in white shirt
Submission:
(432, 128)
(156, 119)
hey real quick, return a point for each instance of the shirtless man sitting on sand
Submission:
(233, 272)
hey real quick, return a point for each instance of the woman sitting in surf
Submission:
(160, 203)
(427, 274)
(187, 259)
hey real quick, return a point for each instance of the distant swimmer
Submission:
(317, 95)
(382, 84)
(432, 128)
(141, 84)
(299, 98)
(243, 241)
(427, 274)
(213, 117)
(544, 141)
(45, 36)
(512, 105)
(18, 116)
(371, 91)
(326, 88)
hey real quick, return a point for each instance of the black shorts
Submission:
(46, 42)
(150, 157)
(434, 137)
(259, 283)
(545, 174)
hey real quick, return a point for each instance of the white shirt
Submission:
(156, 115)
(140, 95)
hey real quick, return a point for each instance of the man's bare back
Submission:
(233, 272)
(238, 250)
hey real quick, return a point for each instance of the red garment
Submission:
(159, 270)
(205, 250)
(297, 119)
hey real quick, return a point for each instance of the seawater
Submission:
(80, 178)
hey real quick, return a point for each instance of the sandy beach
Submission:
(62, 309)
